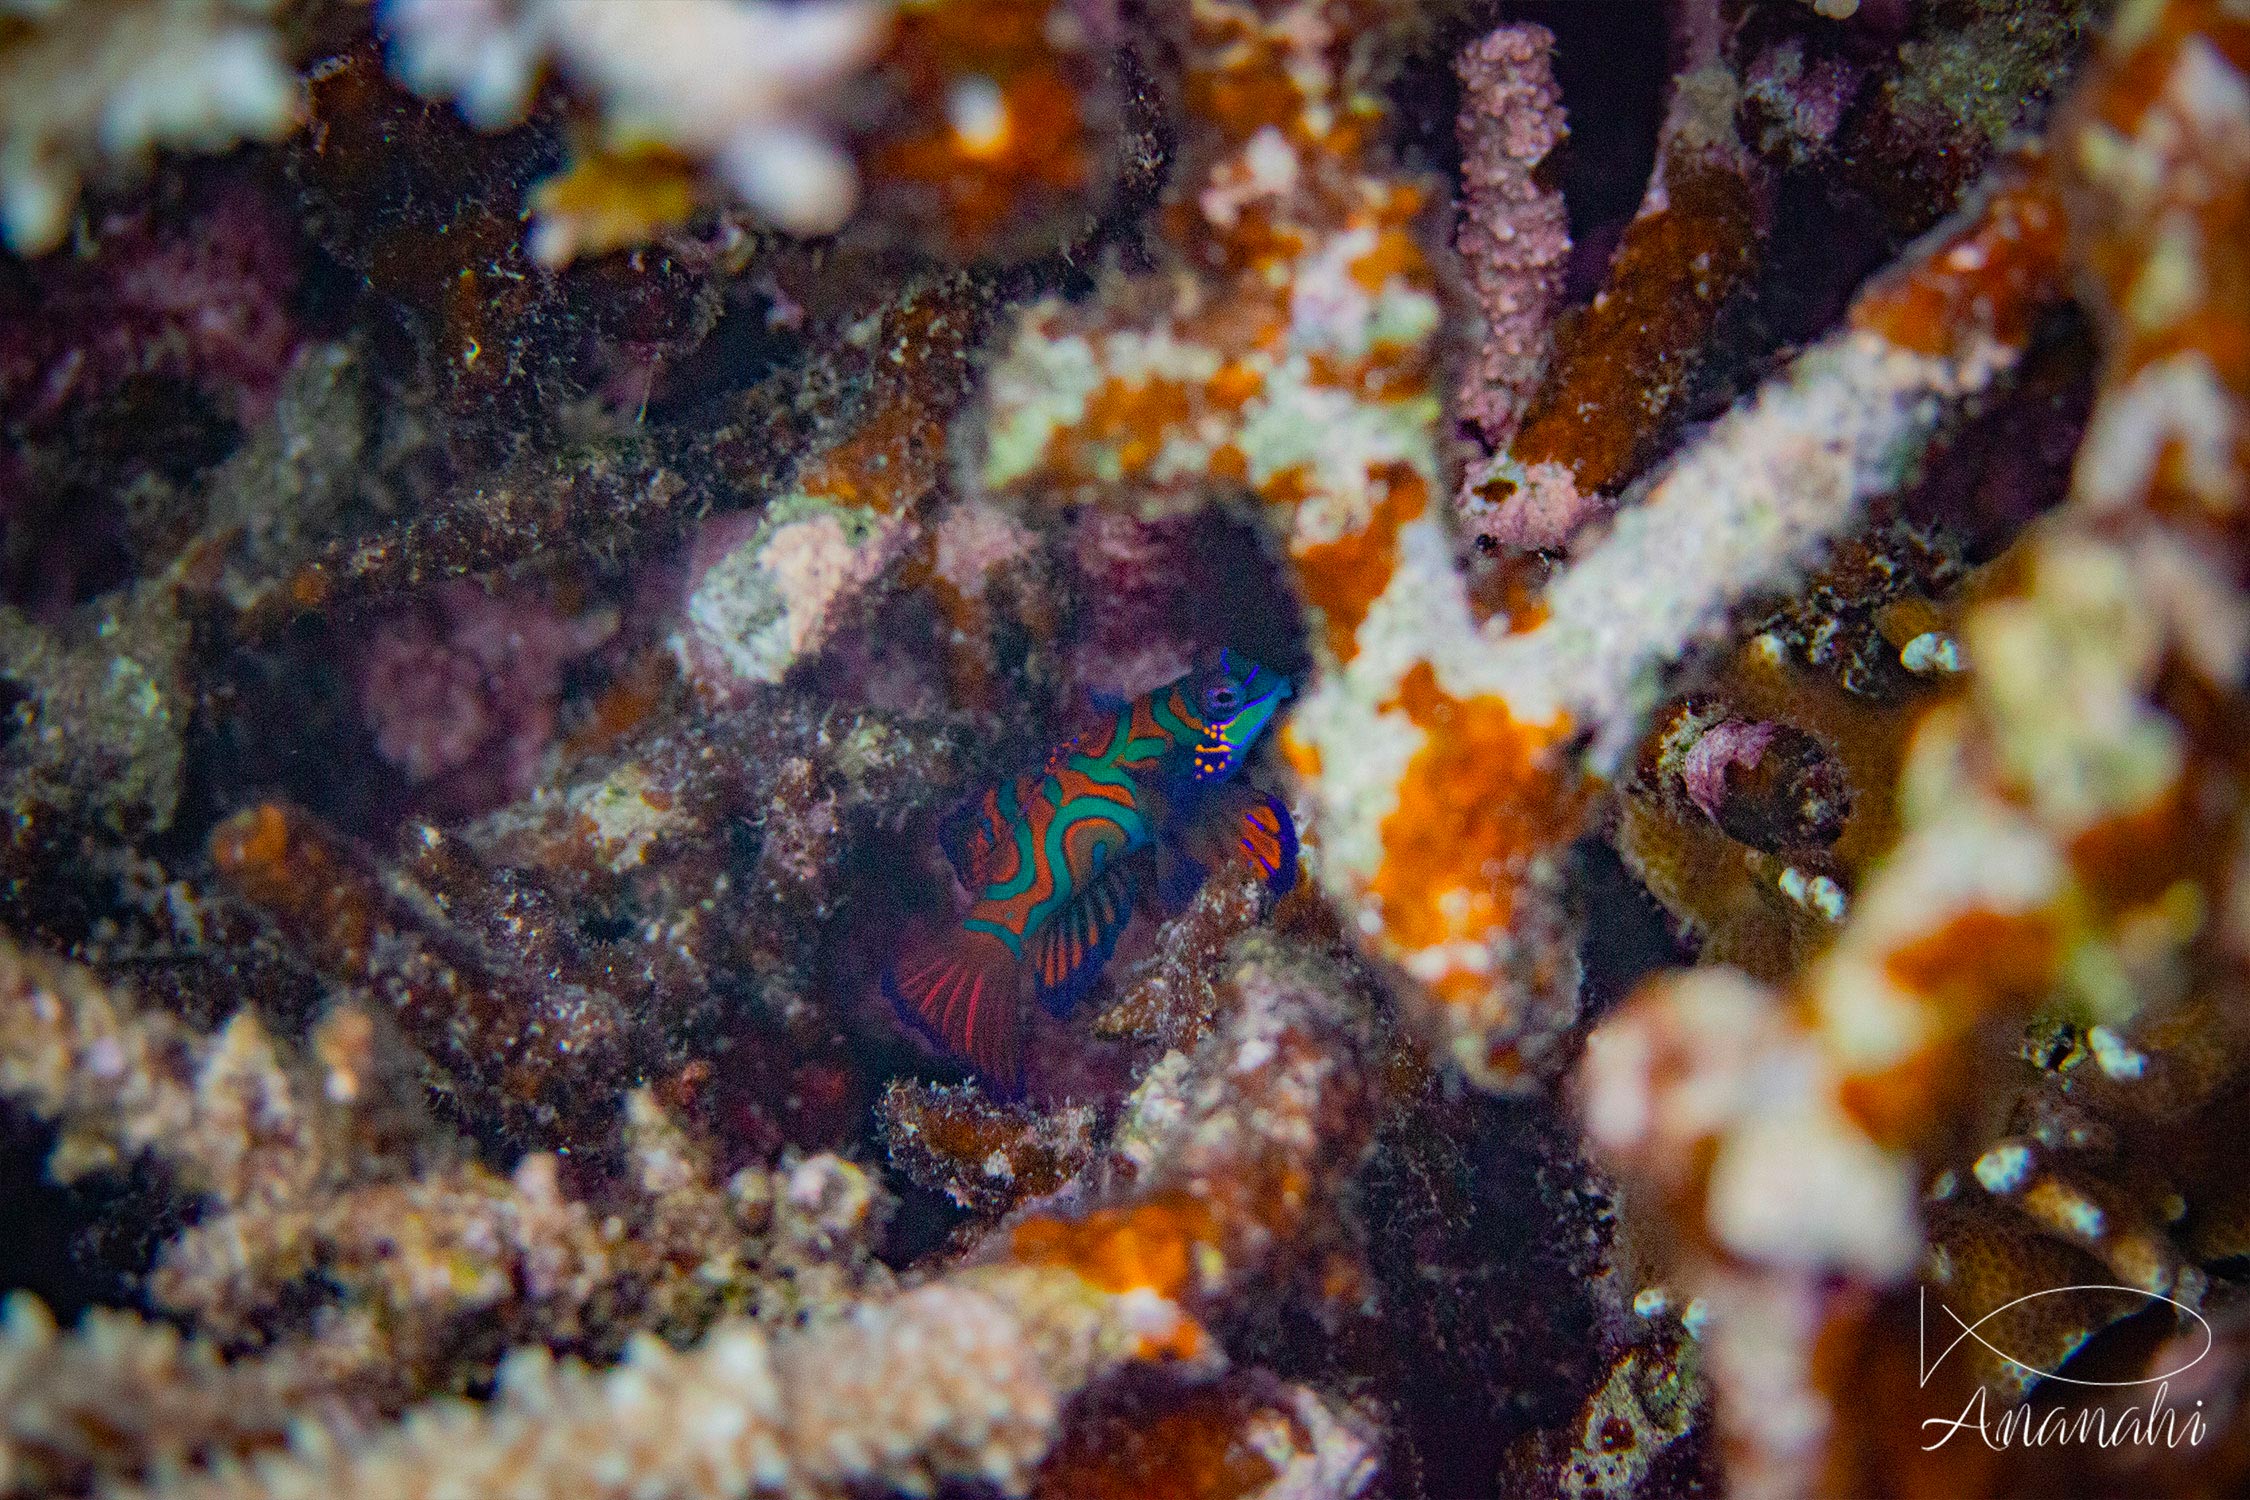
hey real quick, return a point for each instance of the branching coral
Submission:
(1514, 237)
(768, 591)
(737, 84)
(517, 1047)
(1620, 376)
(223, 1111)
(1438, 749)
(964, 1377)
(983, 1155)
(1004, 126)
(313, 1176)
(126, 1397)
(1243, 1436)
(954, 1381)
(1175, 994)
(2058, 815)
(104, 82)
(1225, 1155)
(430, 1257)
(700, 852)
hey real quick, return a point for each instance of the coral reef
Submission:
(1514, 236)
(203, 300)
(318, 1172)
(1620, 379)
(526, 522)
(512, 1043)
(736, 84)
(101, 85)
(760, 601)
(461, 692)
(985, 1156)
(2047, 809)
(953, 1381)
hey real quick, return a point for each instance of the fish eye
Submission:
(1222, 698)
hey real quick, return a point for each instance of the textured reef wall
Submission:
(529, 528)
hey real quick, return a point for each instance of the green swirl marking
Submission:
(1027, 871)
(979, 924)
(1132, 833)
(1160, 708)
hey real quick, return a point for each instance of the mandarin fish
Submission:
(1046, 858)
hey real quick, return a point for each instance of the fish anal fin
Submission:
(1068, 954)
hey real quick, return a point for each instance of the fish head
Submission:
(1234, 701)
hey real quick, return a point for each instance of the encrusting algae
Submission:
(1303, 749)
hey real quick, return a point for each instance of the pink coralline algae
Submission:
(763, 595)
(202, 298)
(1514, 236)
(1135, 575)
(171, 330)
(460, 691)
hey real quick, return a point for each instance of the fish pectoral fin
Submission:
(1238, 821)
(963, 989)
(1265, 832)
(1068, 954)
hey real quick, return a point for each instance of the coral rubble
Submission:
(523, 521)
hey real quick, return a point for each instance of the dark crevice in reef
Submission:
(76, 1246)
(1611, 62)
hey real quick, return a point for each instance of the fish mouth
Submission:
(1256, 716)
(1279, 690)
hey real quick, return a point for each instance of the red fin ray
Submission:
(963, 989)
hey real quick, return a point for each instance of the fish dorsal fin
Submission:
(971, 837)
(1071, 948)
(963, 989)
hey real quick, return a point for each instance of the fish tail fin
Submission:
(963, 990)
